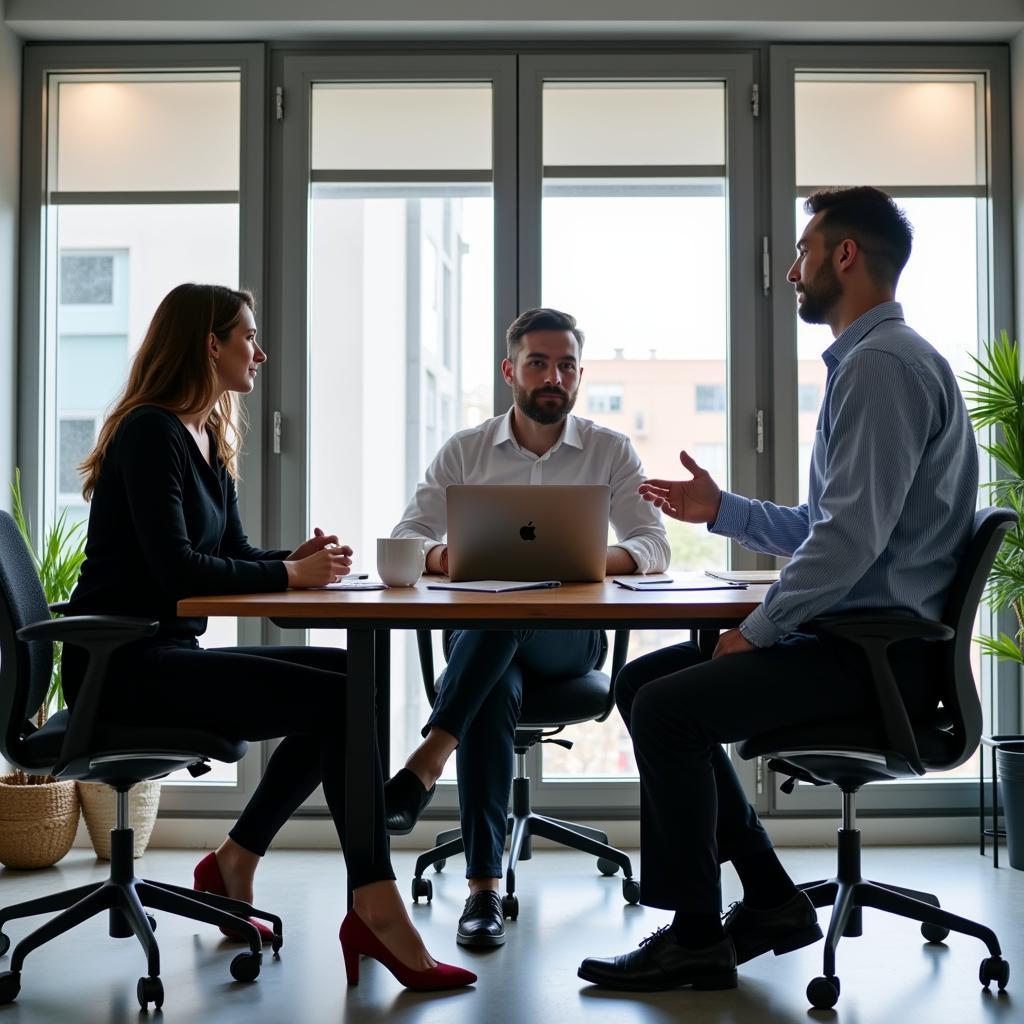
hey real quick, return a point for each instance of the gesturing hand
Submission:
(316, 543)
(320, 568)
(689, 501)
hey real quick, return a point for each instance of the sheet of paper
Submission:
(751, 576)
(354, 585)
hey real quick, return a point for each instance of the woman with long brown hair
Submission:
(164, 525)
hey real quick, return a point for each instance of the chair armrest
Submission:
(90, 630)
(425, 648)
(874, 632)
(100, 635)
(620, 650)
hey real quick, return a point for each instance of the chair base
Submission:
(125, 898)
(848, 894)
(522, 825)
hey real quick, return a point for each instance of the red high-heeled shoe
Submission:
(207, 878)
(357, 938)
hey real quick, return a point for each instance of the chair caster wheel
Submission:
(152, 921)
(246, 966)
(631, 891)
(439, 865)
(5, 944)
(510, 907)
(275, 944)
(606, 867)
(993, 968)
(934, 932)
(422, 887)
(823, 993)
(150, 990)
(10, 986)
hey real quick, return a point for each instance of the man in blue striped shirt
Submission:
(891, 497)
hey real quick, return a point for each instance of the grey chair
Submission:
(851, 753)
(80, 745)
(547, 709)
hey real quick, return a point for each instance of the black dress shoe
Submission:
(483, 921)
(782, 929)
(661, 963)
(404, 801)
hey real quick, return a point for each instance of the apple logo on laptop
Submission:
(529, 531)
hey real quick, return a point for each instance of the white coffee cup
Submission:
(400, 560)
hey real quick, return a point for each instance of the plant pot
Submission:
(37, 823)
(99, 807)
(1010, 764)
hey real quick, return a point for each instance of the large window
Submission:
(925, 137)
(142, 174)
(417, 202)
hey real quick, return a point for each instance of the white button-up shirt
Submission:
(585, 453)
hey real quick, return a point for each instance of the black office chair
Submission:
(79, 745)
(548, 707)
(850, 753)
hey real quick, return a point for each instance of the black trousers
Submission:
(679, 711)
(252, 693)
(479, 702)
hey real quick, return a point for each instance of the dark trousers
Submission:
(479, 703)
(680, 710)
(255, 693)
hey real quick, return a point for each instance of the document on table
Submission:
(646, 588)
(752, 577)
(347, 584)
(495, 586)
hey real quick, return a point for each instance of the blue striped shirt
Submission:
(893, 486)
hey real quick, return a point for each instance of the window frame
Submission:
(37, 371)
(1000, 692)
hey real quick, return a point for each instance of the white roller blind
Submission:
(125, 136)
(631, 123)
(401, 127)
(886, 133)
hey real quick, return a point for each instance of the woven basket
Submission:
(37, 823)
(99, 806)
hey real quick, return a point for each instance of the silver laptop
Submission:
(527, 532)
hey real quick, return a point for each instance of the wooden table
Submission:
(369, 616)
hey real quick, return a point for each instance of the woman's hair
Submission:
(173, 370)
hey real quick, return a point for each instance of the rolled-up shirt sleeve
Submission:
(426, 516)
(637, 524)
(865, 486)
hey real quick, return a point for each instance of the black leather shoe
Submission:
(483, 921)
(661, 963)
(783, 929)
(404, 801)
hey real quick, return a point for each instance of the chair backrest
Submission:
(960, 694)
(25, 667)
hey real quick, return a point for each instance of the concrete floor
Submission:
(568, 911)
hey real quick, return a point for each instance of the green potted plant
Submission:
(39, 814)
(996, 400)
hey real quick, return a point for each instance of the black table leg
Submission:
(707, 640)
(360, 742)
(382, 684)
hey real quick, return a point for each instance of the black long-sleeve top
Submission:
(163, 526)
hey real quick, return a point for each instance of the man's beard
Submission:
(823, 292)
(530, 403)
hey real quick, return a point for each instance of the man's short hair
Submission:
(540, 320)
(873, 220)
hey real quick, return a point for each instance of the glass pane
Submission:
(944, 262)
(899, 131)
(130, 256)
(642, 264)
(401, 127)
(156, 134)
(634, 123)
(401, 318)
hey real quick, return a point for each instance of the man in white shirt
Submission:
(538, 441)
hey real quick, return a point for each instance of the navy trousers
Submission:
(479, 702)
